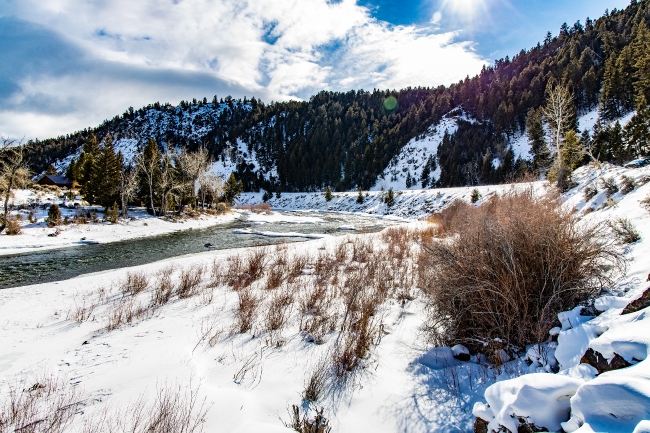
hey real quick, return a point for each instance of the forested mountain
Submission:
(345, 140)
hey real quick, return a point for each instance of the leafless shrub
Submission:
(13, 225)
(136, 282)
(514, 264)
(624, 230)
(255, 262)
(609, 184)
(646, 202)
(304, 424)
(43, 404)
(216, 274)
(444, 219)
(278, 311)
(246, 310)
(341, 252)
(190, 281)
(275, 276)
(163, 290)
(627, 184)
(174, 409)
(296, 264)
(82, 312)
(590, 191)
(264, 208)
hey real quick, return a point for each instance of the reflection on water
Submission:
(60, 264)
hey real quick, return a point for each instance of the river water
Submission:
(64, 263)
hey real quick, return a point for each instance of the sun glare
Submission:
(465, 9)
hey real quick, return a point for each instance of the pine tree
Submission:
(328, 194)
(232, 189)
(360, 196)
(641, 47)
(424, 177)
(409, 181)
(572, 152)
(105, 178)
(87, 163)
(637, 132)
(537, 139)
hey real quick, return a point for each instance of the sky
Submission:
(70, 64)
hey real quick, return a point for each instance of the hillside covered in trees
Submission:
(345, 140)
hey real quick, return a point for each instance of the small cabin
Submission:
(60, 181)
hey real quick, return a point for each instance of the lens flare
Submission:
(390, 103)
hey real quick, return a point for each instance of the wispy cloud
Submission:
(110, 55)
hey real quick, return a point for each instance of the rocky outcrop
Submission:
(600, 363)
(638, 304)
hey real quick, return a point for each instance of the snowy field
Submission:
(101, 335)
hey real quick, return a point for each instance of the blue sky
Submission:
(69, 64)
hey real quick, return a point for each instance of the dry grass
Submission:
(164, 288)
(190, 281)
(136, 282)
(264, 208)
(125, 312)
(278, 310)
(82, 311)
(43, 404)
(511, 267)
(245, 313)
(174, 409)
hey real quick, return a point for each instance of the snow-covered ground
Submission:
(251, 379)
(409, 204)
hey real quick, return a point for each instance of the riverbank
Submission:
(37, 236)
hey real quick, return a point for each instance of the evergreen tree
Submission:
(328, 194)
(409, 181)
(537, 139)
(637, 132)
(390, 198)
(87, 161)
(426, 173)
(105, 178)
(232, 189)
(641, 49)
(572, 152)
(360, 196)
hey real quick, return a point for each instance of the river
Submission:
(64, 263)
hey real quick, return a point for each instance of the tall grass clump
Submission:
(509, 267)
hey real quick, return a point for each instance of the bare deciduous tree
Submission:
(12, 161)
(210, 185)
(128, 187)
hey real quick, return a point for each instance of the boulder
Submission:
(638, 304)
(600, 363)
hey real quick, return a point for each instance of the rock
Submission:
(599, 362)
(525, 427)
(208, 245)
(85, 342)
(480, 426)
(461, 353)
(638, 304)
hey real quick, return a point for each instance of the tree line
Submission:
(164, 181)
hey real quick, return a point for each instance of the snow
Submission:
(413, 156)
(613, 401)
(406, 385)
(38, 236)
(281, 234)
(541, 398)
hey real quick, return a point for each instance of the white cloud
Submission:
(266, 48)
